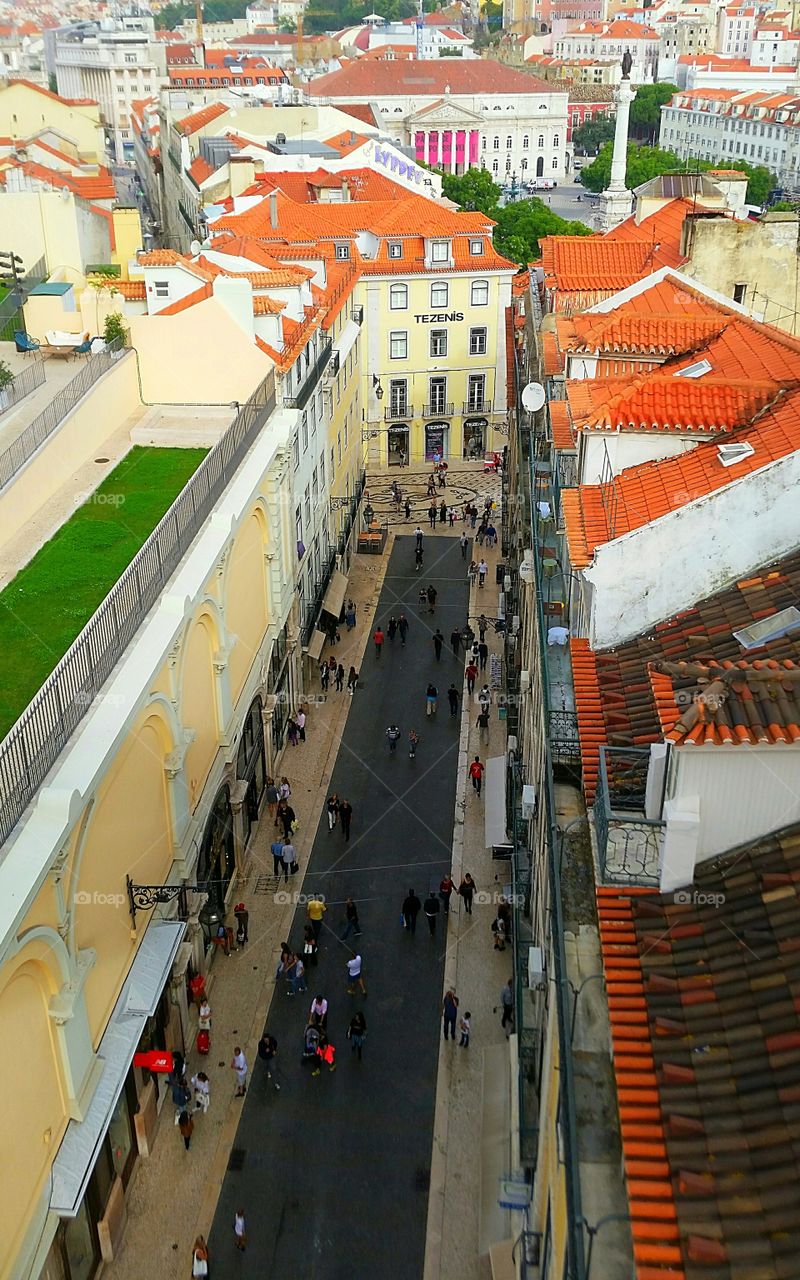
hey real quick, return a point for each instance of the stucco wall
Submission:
(761, 254)
(24, 111)
(654, 572)
(199, 356)
(744, 792)
(626, 449)
(44, 224)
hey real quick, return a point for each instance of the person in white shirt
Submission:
(239, 1065)
(202, 1091)
(355, 976)
(318, 1013)
(300, 721)
(483, 569)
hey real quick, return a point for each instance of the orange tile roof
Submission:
(595, 264)
(561, 429)
(727, 703)
(645, 493)
(132, 290)
(655, 402)
(552, 360)
(263, 305)
(191, 300)
(99, 186)
(199, 119)
(619, 331)
(347, 141)
(747, 349)
(521, 284)
(364, 79)
(170, 258)
(663, 228)
(200, 169)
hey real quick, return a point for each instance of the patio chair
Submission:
(24, 343)
(84, 348)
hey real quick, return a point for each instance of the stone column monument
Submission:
(616, 201)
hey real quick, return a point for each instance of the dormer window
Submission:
(440, 251)
(162, 288)
(395, 249)
(476, 248)
(343, 252)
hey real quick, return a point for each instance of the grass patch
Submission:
(48, 603)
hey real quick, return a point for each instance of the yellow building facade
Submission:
(27, 109)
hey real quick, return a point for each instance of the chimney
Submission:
(345, 191)
(242, 174)
(273, 210)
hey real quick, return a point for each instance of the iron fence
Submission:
(13, 458)
(22, 385)
(34, 743)
(628, 842)
(306, 388)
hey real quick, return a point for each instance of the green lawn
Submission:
(49, 602)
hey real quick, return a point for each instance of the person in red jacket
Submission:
(378, 641)
(476, 770)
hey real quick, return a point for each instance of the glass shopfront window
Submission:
(120, 1134)
(216, 863)
(436, 441)
(475, 437)
(81, 1254)
(251, 765)
(398, 447)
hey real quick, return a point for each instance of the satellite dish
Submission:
(195, 248)
(527, 573)
(533, 397)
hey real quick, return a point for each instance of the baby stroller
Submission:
(203, 1041)
(312, 1037)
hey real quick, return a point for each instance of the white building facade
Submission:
(724, 125)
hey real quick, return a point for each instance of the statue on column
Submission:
(627, 63)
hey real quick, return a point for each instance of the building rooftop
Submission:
(427, 78)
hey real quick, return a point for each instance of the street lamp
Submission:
(377, 388)
(209, 918)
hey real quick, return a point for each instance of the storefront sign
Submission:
(476, 423)
(440, 317)
(396, 164)
(154, 1060)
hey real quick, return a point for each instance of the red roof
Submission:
(652, 402)
(727, 703)
(199, 119)
(428, 79)
(200, 169)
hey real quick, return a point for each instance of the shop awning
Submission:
(314, 649)
(77, 1155)
(334, 596)
(494, 805)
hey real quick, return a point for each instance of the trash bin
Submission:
(499, 574)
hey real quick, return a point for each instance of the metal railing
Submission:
(628, 842)
(35, 742)
(395, 412)
(306, 389)
(476, 406)
(22, 385)
(439, 410)
(13, 458)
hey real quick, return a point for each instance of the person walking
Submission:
(352, 681)
(350, 615)
(289, 860)
(432, 515)
(391, 629)
(484, 698)
(473, 515)
(333, 810)
(464, 1027)
(378, 642)
(417, 559)
(472, 573)
(431, 909)
(418, 536)
(507, 1004)
(483, 626)
(239, 1065)
(310, 948)
(355, 976)
(351, 924)
(357, 1033)
(315, 911)
(202, 1091)
(268, 1052)
(442, 512)
(393, 736)
(449, 1013)
(438, 641)
(402, 627)
(491, 534)
(408, 508)
(463, 542)
(339, 678)
(431, 700)
(345, 817)
(455, 641)
(482, 724)
(242, 917)
(431, 593)
(483, 569)
(272, 790)
(411, 909)
(239, 1230)
(466, 891)
(452, 697)
(446, 887)
(483, 654)
(204, 1015)
(472, 675)
(186, 1126)
(292, 732)
(296, 975)
(413, 743)
(300, 721)
(200, 1258)
(276, 849)
(476, 771)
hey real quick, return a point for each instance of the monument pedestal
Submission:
(614, 206)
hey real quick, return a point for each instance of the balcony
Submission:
(396, 413)
(313, 375)
(471, 407)
(438, 410)
(628, 842)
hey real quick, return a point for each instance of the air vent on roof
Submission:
(728, 454)
(695, 370)
(777, 624)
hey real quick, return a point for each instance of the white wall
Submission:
(654, 572)
(745, 792)
(627, 449)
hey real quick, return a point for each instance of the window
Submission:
(339, 448)
(739, 292)
(555, 162)
(315, 485)
(476, 248)
(343, 252)
(508, 166)
(398, 297)
(322, 468)
(555, 140)
(438, 342)
(476, 393)
(296, 452)
(525, 142)
(162, 288)
(298, 526)
(440, 251)
(308, 506)
(541, 141)
(439, 295)
(479, 293)
(477, 342)
(333, 468)
(398, 398)
(395, 249)
(495, 166)
(304, 430)
(437, 390)
(398, 345)
(524, 164)
(496, 144)
(509, 142)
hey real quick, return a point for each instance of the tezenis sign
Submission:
(440, 317)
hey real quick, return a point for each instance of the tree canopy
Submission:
(645, 116)
(645, 163)
(593, 133)
(520, 225)
(472, 190)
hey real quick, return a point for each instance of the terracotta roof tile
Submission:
(552, 359)
(200, 169)
(365, 79)
(191, 300)
(199, 119)
(132, 290)
(727, 703)
(656, 402)
(595, 265)
(561, 428)
(625, 331)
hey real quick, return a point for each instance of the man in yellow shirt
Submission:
(315, 911)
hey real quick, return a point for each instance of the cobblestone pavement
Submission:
(174, 1194)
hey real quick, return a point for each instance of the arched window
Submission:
(509, 142)
(496, 144)
(539, 166)
(524, 163)
(495, 166)
(525, 142)
(555, 140)
(398, 297)
(541, 141)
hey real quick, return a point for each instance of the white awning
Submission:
(494, 804)
(80, 1147)
(334, 596)
(314, 649)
